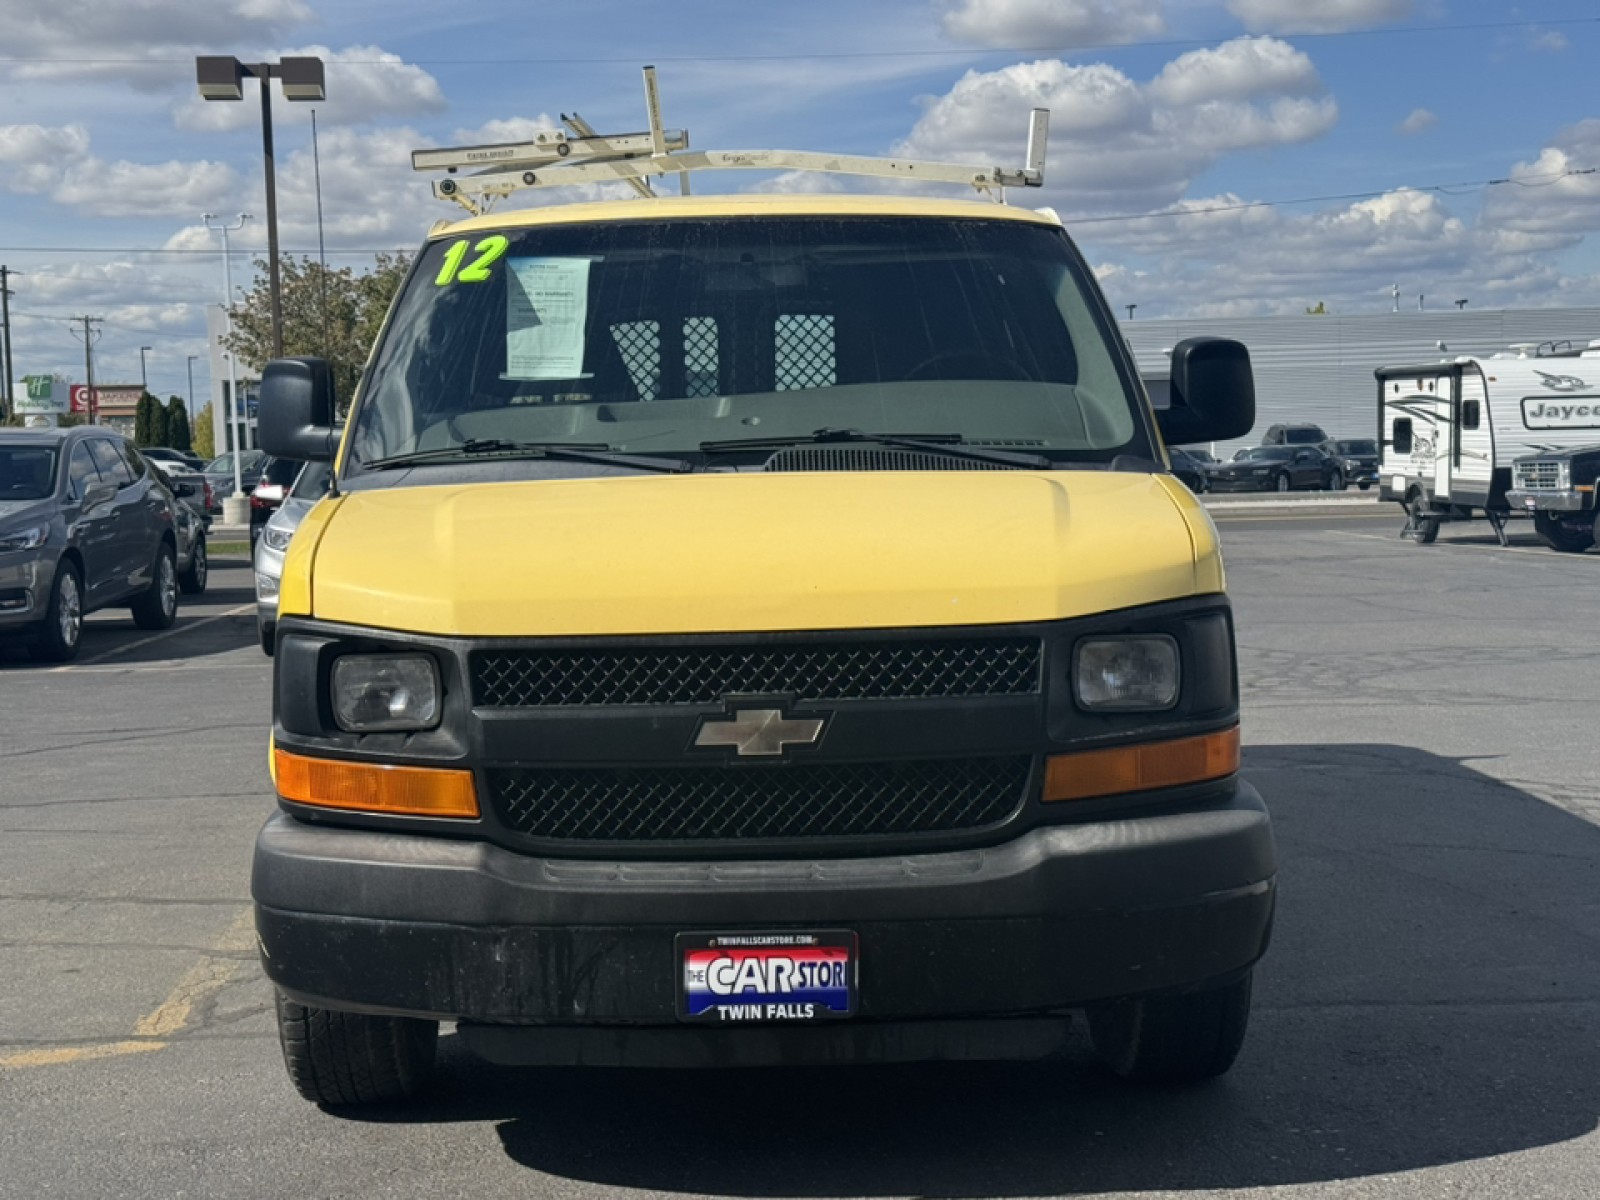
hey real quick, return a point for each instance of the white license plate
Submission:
(766, 977)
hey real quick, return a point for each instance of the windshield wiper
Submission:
(949, 444)
(593, 452)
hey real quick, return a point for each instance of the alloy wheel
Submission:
(69, 616)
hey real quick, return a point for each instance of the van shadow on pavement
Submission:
(1430, 998)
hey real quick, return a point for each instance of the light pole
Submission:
(144, 378)
(222, 78)
(192, 357)
(236, 508)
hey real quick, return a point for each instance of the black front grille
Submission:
(898, 670)
(746, 803)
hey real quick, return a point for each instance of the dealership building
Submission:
(1319, 368)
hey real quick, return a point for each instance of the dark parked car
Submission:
(277, 477)
(219, 472)
(1294, 435)
(85, 523)
(1358, 457)
(1191, 471)
(165, 454)
(1277, 469)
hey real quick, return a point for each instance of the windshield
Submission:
(1358, 446)
(27, 472)
(1259, 452)
(1307, 435)
(653, 337)
(312, 482)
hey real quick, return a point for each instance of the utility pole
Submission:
(90, 336)
(7, 398)
(192, 357)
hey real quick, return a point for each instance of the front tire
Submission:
(1558, 537)
(340, 1059)
(1173, 1039)
(193, 577)
(1336, 481)
(157, 605)
(61, 631)
(1282, 483)
(1424, 525)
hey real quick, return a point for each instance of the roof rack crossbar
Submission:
(552, 158)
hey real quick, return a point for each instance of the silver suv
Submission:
(84, 524)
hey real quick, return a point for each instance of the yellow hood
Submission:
(746, 552)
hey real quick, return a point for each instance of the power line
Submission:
(953, 52)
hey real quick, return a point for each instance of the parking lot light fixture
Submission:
(236, 503)
(303, 78)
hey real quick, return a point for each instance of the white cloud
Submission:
(1551, 41)
(36, 156)
(1543, 198)
(364, 83)
(1116, 143)
(1057, 25)
(1325, 16)
(74, 38)
(1238, 70)
(1347, 257)
(805, 183)
(1419, 120)
(124, 189)
(56, 161)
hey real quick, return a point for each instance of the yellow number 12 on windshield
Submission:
(489, 251)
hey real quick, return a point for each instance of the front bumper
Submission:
(1567, 500)
(25, 581)
(1242, 483)
(1060, 916)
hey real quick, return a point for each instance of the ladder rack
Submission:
(557, 158)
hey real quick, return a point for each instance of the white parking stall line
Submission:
(156, 637)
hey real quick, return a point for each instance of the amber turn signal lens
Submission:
(1141, 768)
(375, 787)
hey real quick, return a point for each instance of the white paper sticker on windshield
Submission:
(547, 306)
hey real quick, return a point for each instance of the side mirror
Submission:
(295, 419)
(1213, 392)
(97, 494)
(185, 489)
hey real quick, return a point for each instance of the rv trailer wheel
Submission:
(1560, 537)
(1424, 524)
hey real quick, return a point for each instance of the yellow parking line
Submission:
(156, 637)
(153, 1031)
(206, 978)
(56, 1055)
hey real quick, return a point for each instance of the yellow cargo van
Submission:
(756, 630)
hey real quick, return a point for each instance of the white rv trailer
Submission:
(1450, 430)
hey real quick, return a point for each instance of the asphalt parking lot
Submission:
(1421, 721)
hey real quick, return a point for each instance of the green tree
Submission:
(144, 421)
(178, 425)
(202, 441)
(328, 312)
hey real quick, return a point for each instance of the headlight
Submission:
(276, 539)
(23, 539)
(1131, 674)
(374, 692)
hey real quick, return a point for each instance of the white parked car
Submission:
(309, 486)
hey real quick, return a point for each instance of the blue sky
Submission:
(1211, 156)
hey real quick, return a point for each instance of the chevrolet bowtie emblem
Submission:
(759, 731)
